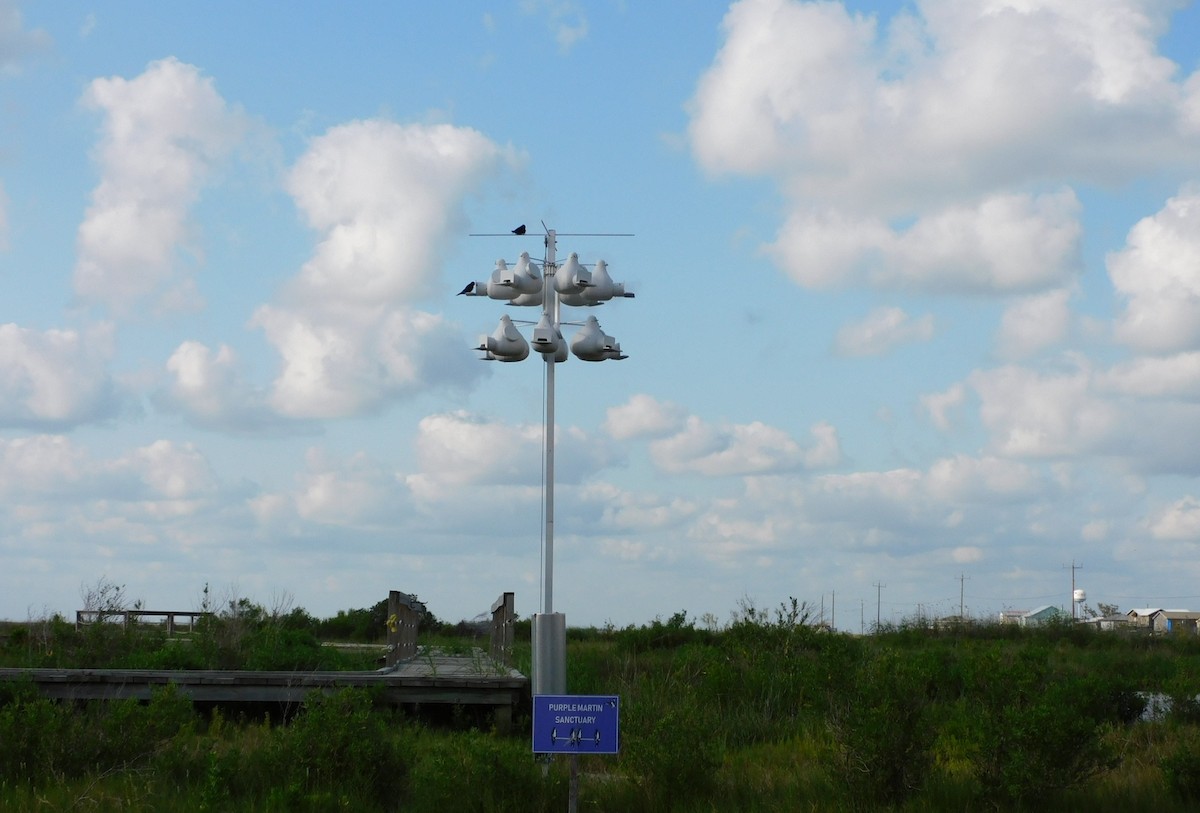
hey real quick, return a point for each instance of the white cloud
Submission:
(643, 416)
(943, 117)
(940, 404)
(1034, 323)
(385, 197)
(1035, 415)
(880, 331)
(56, 377)
(957, 95)
(1003, 243)
(640, 511)
(1158, 274)
(1177, 375)
(741, 449)
(44, 468)
(826, 450)
(966, 555)
(163, 132)
(962, 479)
(211, 391)
(171, 471)
(355, 492)
(1181, 521)
(334, 368)
(459, 449)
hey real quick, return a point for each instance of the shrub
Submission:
(1181, 768)
(1037, 732)
(886, 723)
(341, 741)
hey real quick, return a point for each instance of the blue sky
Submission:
(918, 304)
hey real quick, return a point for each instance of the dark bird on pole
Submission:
(519, 229)
(470, 287)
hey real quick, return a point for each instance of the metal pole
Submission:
(550, 308)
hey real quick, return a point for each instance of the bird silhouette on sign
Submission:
(519, 229)
(470, 287)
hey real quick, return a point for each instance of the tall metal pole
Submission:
(550, 308)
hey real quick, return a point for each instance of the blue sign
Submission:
(576, 724)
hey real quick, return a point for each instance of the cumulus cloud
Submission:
(210, 389)
(1158, 276)
(944, 117)
(355, 492)
(946, 99)
(41, 468)
(1179, 521)
(163, 133)
(643, 416)
(1033, 324)
(384, 198)
(334, 367)
(170, 470)
(1030, 414)
(1003, 243)
(962, 479)
(1177, 375)
(457, 449)
(741, 449)
(56, 378)
(880, 331)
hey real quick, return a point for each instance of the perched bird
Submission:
(519, 229)
(470, 287)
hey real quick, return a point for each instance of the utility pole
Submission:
(862, 616)
(961, 579)
(878, 600)
(1073, 567)
(833, 610)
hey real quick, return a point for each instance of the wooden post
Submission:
(503, 618)
(403, 617)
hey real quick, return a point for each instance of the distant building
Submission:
(1046, 614)
(1142, 617)
(1012, 616)
(1177, 621)
(1110, 622)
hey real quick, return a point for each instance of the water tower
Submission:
(1079, 595)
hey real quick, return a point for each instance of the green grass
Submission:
(767, 714)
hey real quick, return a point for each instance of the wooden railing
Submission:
(404, 615)
(503, 618)
(131, 617)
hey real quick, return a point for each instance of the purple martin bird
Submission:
(519, 229)
(470, 287)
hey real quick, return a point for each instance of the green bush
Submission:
(500, 773)
(886, 724)
(343, 741)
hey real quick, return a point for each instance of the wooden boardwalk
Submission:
(430, 677)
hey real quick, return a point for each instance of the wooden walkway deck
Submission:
(429, 677)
